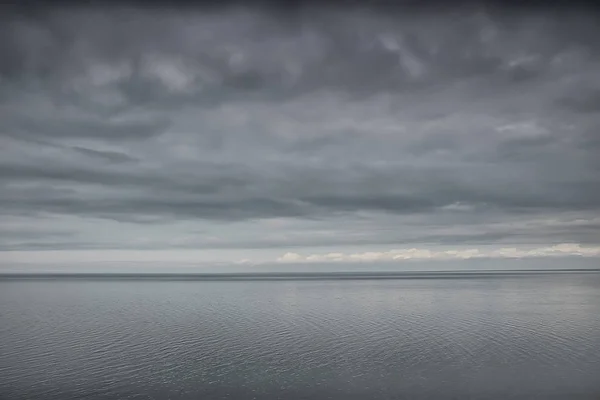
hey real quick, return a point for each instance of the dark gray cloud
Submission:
(442, 123)
(112, 156)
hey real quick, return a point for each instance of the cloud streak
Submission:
(561, 250)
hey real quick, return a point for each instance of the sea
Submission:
(479, 336)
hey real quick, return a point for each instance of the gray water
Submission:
(529, 337)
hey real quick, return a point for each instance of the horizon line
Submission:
(342, 275)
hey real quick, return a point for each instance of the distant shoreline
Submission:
(291, 275)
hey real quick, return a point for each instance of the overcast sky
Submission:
(253, 134)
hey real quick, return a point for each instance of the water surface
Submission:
(526, 337)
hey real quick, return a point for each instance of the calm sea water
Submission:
(534, 337)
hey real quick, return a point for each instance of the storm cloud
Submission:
(247, 127)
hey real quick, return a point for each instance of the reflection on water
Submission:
(533, 337)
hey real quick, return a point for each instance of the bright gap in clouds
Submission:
(194, 258)
(561, 250)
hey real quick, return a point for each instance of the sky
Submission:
(325, 132)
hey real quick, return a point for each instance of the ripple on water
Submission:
(318, 339)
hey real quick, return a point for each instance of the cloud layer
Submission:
(561, 250)
(324, 127)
